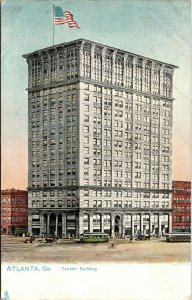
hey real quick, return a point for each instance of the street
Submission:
(68, 251)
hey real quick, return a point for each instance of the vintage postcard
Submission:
(96, 116)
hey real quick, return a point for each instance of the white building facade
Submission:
(100, 141)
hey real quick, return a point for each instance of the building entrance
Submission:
(117, 226)
(52, 224)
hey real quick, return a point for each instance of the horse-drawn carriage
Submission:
(30, 240)
(51, 239)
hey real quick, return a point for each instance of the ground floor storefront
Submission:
(14, 230)
(121, 224)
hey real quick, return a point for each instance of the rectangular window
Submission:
(86, 129)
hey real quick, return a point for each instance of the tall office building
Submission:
(100, 140)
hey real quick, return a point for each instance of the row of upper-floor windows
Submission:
(99, 204)
(182, 218)
(131, 174)
(97, 173)
(53, 182)
(120, 164)
(18, 201)
(53, 90)
(181, 200)
(136, 181)
(140, 101)
(99, 89)
(98, 182)
(53, 161)
(52, 139)
(127, 217)
(182, 191)
(52, 193)
(52, 203)
(106, 163)
(121, 204)
(120, 154)
(127, 153)
(9, 209)
(14, 219)
(181, 208)
(52, 173)
(126, 174)
(120, 112)
(99, 193)
(97, 111)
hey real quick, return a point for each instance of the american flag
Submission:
(66, 17)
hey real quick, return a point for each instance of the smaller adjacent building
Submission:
(14, 211)
(181, 205)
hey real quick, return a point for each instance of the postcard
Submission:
(96, 127)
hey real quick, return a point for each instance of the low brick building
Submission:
(181, 204)
(14, 211)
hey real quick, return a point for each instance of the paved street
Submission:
(14, 250)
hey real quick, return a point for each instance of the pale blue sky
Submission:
(158, 29)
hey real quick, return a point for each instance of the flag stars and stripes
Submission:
(66, 17)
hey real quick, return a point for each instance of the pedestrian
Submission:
(131, 239)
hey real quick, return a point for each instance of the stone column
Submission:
(29, 72)
(48, 67)
(48, 223)
(64, 229)
(80, 224)
(143, 75)
(102, 223)
(30, 224)
(161, 80)
(92, 61)
(160, 223)
(171, 84)
(41, 223)
(103, 65)
(152, 77)
(56, 64)
(112, 226)
(90, 222)
(113, 66)
(41, 69)
(44, 224)
(141, 223)
(125, 58)
(134, 71)
(150, 223)
(56, 225)
(122, 226)
(132, 224)
(81, 59)
(170, 223)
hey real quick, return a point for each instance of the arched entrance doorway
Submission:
(59, 230)
(52, 226)
(45, 229)
(117, 226)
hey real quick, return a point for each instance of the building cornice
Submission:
(79, 41)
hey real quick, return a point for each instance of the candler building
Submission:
(100, 141)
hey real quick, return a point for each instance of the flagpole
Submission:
(53, 23)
